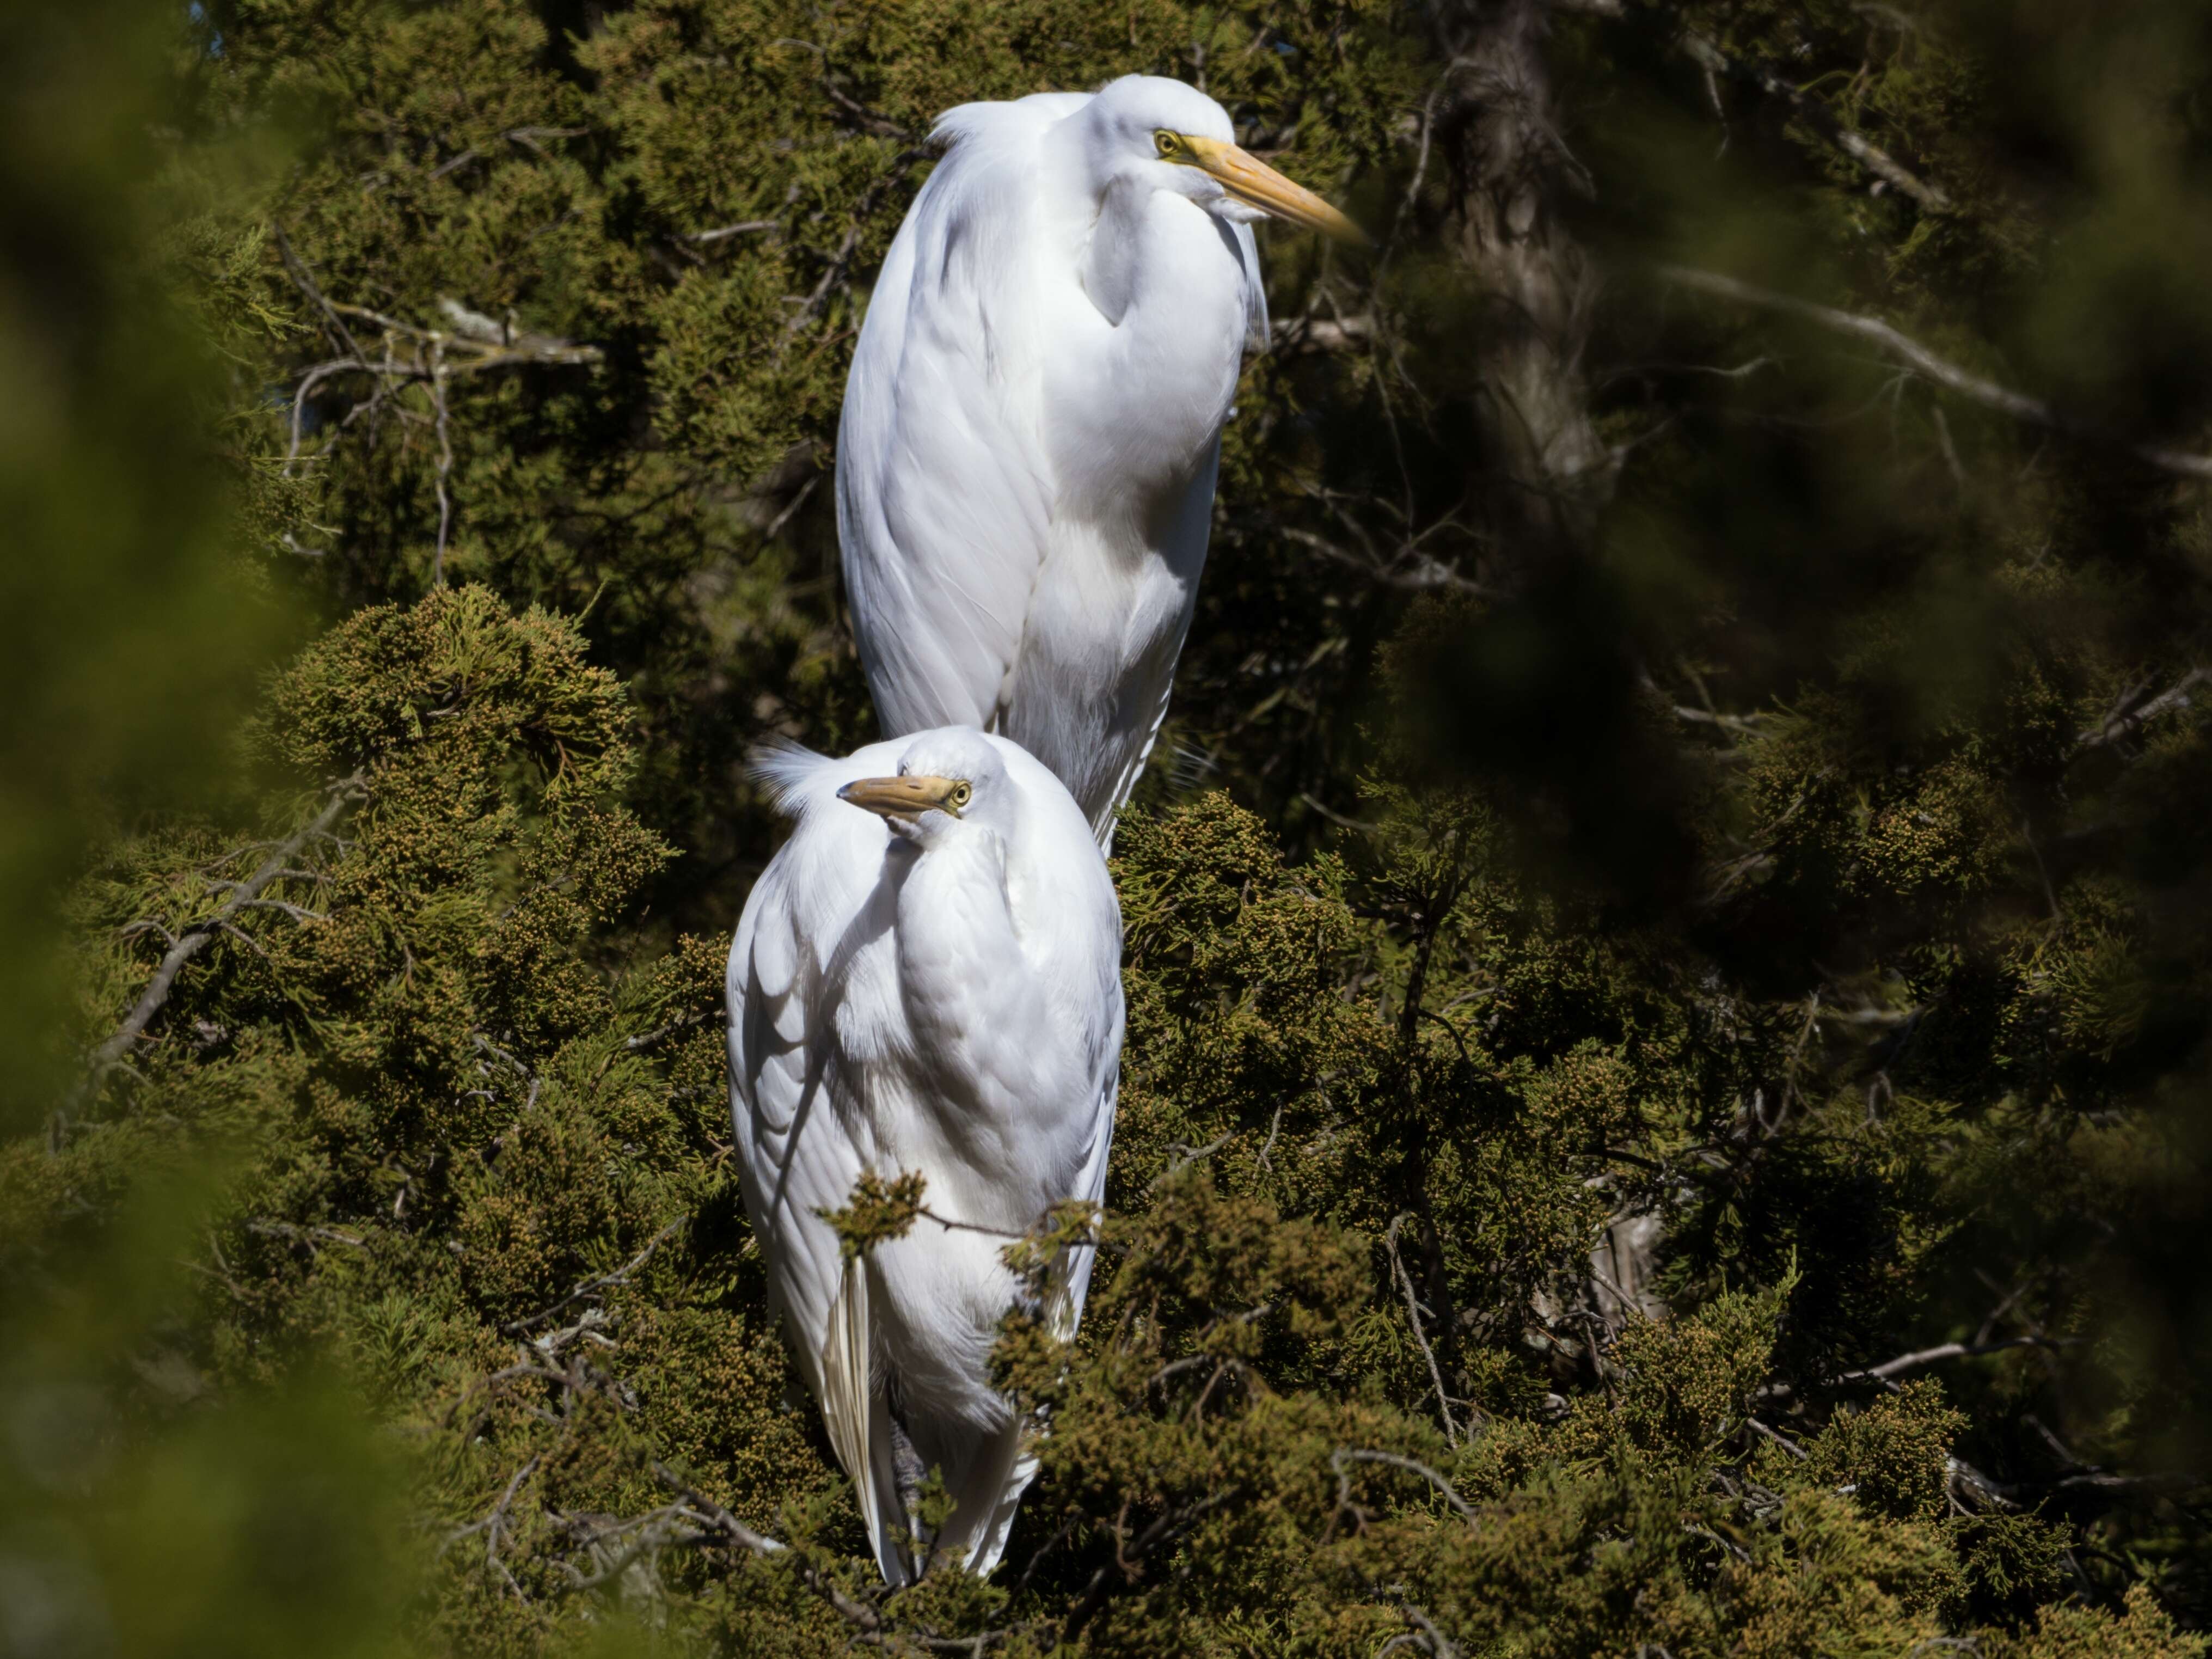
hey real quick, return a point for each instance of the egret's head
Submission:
(950, 776)
(1181, 140)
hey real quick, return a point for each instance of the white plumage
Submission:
(931, 984)
(1026, 459)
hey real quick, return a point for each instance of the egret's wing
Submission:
(1102, 1021)
(1066, 1309)
(803, 985)
(944, 495)
(1088, 1007)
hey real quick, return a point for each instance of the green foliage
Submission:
(1687, 1384)
(1892, 1456)
(879, 1210)
(134, 647)
(1662, 1108)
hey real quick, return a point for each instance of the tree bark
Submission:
(1542, 473)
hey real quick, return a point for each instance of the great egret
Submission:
(945, 998)
(1026, 458)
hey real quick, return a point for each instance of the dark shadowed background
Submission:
(1666, 1105)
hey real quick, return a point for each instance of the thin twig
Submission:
(307, 1235)
(840, 261)
(1777, 1437)
(748, 227)
(339, 333)
(591, 1286)
(444, 462)
(1413, 1313)
(1344, 1455)
(1707, 55)
(1171, 1525)
(646, 1040)
(1440, 1645)
(1427, 574)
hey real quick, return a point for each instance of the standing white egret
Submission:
(1026, 458)
(945, 998)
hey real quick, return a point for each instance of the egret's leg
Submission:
(907, 1467)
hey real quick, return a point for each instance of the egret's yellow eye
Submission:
(959, 796)
(1169, 143)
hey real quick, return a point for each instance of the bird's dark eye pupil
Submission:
(1167, 142)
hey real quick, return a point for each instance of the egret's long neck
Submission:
(1138, 397)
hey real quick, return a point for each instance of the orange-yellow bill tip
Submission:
(1253, 182)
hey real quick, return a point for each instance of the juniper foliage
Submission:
(1664, 1094)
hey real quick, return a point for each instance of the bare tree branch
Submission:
(1906, 1362)
(1777, 1437)
(339, 333)
(1323, 334)
(1816, 114)
(594, 1285)
(863, 119)
(748, 227)
(707, 1512)
(646, 1040)
(1902, 348)
(841, 262)
(493, 1525)
(525, 137)
(1411, 569)
(1707, 55)
(309, 1237)
(429, 357)
(2134, 710)
(1438, 1644)
(1171, 1524)
(197, 936)
(506, 349)
(445, 463)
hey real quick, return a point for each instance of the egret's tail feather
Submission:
(1015, 1466)
(986, 1471)
(784, 768)
(849, 1412)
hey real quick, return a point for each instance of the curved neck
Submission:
(1138, 399)
(967, 986)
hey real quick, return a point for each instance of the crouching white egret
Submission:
(926, 978)
(1025, 462)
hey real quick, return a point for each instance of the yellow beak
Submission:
(1257, 185)
(902, 798)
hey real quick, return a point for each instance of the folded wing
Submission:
(943, 498)
(802, 1141)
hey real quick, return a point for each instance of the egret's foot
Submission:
(906, 1469)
